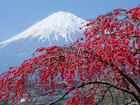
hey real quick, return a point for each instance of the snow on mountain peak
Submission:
(59, 24)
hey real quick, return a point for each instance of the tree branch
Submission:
(98, 82)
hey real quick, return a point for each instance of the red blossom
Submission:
(106, 59)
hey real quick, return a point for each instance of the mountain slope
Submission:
(57, 29)
(59, 24)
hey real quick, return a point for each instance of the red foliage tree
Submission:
(111, 50)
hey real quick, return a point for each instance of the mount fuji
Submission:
(57, 29)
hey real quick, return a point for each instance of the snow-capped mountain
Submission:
(57, 29)
(58, 24)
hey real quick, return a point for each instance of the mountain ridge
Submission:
(61, 23)
(58, 29)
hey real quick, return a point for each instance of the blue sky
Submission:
(18, 15)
